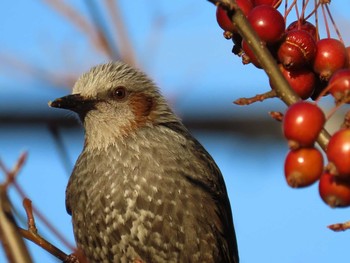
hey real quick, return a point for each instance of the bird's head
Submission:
(113, 101)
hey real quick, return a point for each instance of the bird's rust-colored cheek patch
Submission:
(142, 107)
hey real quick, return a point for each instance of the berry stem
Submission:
(277, 3)
(313, 11)
(286, 13)
(334, 24)
(305, 3)
(297, 12)
(285, 9)
(325, 21)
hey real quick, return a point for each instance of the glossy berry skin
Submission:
(331, 56)
(338, 152)
(302, 81)
(297, 50)
(303, 25)
(225, 22)
(273, 3)
(303, 167)
(339, 84)
(334, 191)
(302, 124)
(249, 56)
(267, 22)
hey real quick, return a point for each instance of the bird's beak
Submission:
(74, 102)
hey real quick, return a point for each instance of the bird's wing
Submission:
(213, 183)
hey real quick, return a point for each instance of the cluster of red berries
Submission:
(304, 165)
(313, 67)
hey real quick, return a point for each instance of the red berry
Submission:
(303, 25)
(245, 5)
(302, 81)
(339, 84)
(330, 56)
(273, 3)
(267, 22)
(225, 22)
(297, 50)
(334, 191)
(303, 167)
(338, 152)
(302, 124)
(249, 56)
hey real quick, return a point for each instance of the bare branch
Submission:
(14, 246)
(105, 38)
(32, 233)
(80, 22)
(124, 43)
(10, 175)
(278, 116)
(256, 98)
(340, 226)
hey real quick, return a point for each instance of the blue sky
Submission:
(193, 64)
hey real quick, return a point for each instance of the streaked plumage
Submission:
(143, 189)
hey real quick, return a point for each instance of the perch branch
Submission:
(32, 234)
(10, 237)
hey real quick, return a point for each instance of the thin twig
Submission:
(276, 115)
(32, 233)
(122, 36)
(79, 21)
(12, 242)
(256, 98)
(12, 174)
(103, 33)
(340, 226)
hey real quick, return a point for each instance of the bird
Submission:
(143, 189)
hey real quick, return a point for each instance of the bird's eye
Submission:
(119, 93)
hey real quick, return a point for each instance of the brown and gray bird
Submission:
(143, 189)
